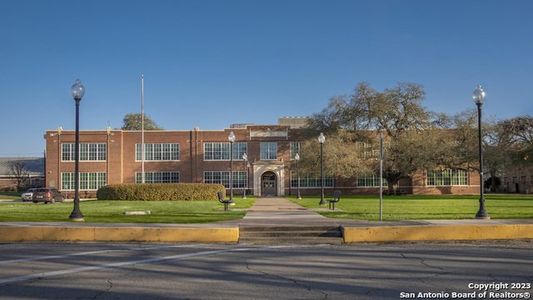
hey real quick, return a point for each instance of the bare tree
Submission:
(20, 173)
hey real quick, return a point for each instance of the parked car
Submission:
(27, 195)
(47, 195)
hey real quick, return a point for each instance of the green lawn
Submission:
(418, 207)
(9, 195)
(100, 211)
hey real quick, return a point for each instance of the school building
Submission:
(114, 156)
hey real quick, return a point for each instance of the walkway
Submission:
(280, 211)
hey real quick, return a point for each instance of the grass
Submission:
(421, 207)
(9, 195)
(109, 211)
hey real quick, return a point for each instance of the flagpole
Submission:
(142, 129)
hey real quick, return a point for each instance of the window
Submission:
(67, 152)
(160, 152)
(88, 181)
(366, 150)
(447, 177)
(222, 177)
(67, 181)
(221, 151)
(370, 181)
(310, 181)
(295, 148)
(158, 177)
(269, 150)
(88, 152)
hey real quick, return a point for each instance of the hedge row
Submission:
(160, 192)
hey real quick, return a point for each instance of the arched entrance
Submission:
(269, 185)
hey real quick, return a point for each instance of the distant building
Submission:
(518, 179)
(34, 166)
(110, 157)
(293, 122)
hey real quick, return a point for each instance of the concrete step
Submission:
(292, 240)
(274, 235)
(288, 234)
(288, 228)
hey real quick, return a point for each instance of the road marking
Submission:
(48, 257)
(135, 262)
(112, 265)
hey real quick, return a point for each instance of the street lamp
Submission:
(231, 139)
(77, 91)
(381, 175)
(321, 140)
(478, 96)
(246, 164)
(297, 159)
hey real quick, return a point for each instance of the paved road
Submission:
(165, 271)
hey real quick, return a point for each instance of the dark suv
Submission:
(47, 195)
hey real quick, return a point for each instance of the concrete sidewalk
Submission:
(282, 212)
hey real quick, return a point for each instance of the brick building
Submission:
(518, 179)
(32, 175)
(114, 156)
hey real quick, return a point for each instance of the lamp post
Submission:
(478, 96)
(77, 91)
(231, 139)
(248, 166)
(245, 159)
(380, 176)
(322, 140)
(297, 159)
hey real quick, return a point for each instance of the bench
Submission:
(221, 199)
(336, 198)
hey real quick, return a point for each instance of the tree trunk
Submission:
(493, 182)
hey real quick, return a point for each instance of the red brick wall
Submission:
(54, 165)
(122, 165)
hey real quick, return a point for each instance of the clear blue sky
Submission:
(212, 63)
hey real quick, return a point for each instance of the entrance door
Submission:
(268, 184)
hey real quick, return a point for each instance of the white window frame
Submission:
(366, 150)
(269, 150)
(293, 151)
(239, 148)
(466, 177)
(223, 177)
(157, 150)
(99, 150)
(374, 178)
(88, 181)
(157, 177)
(306, 179)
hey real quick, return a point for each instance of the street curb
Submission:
(437, 233)
(118, 234)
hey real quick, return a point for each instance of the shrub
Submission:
(160, 192)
